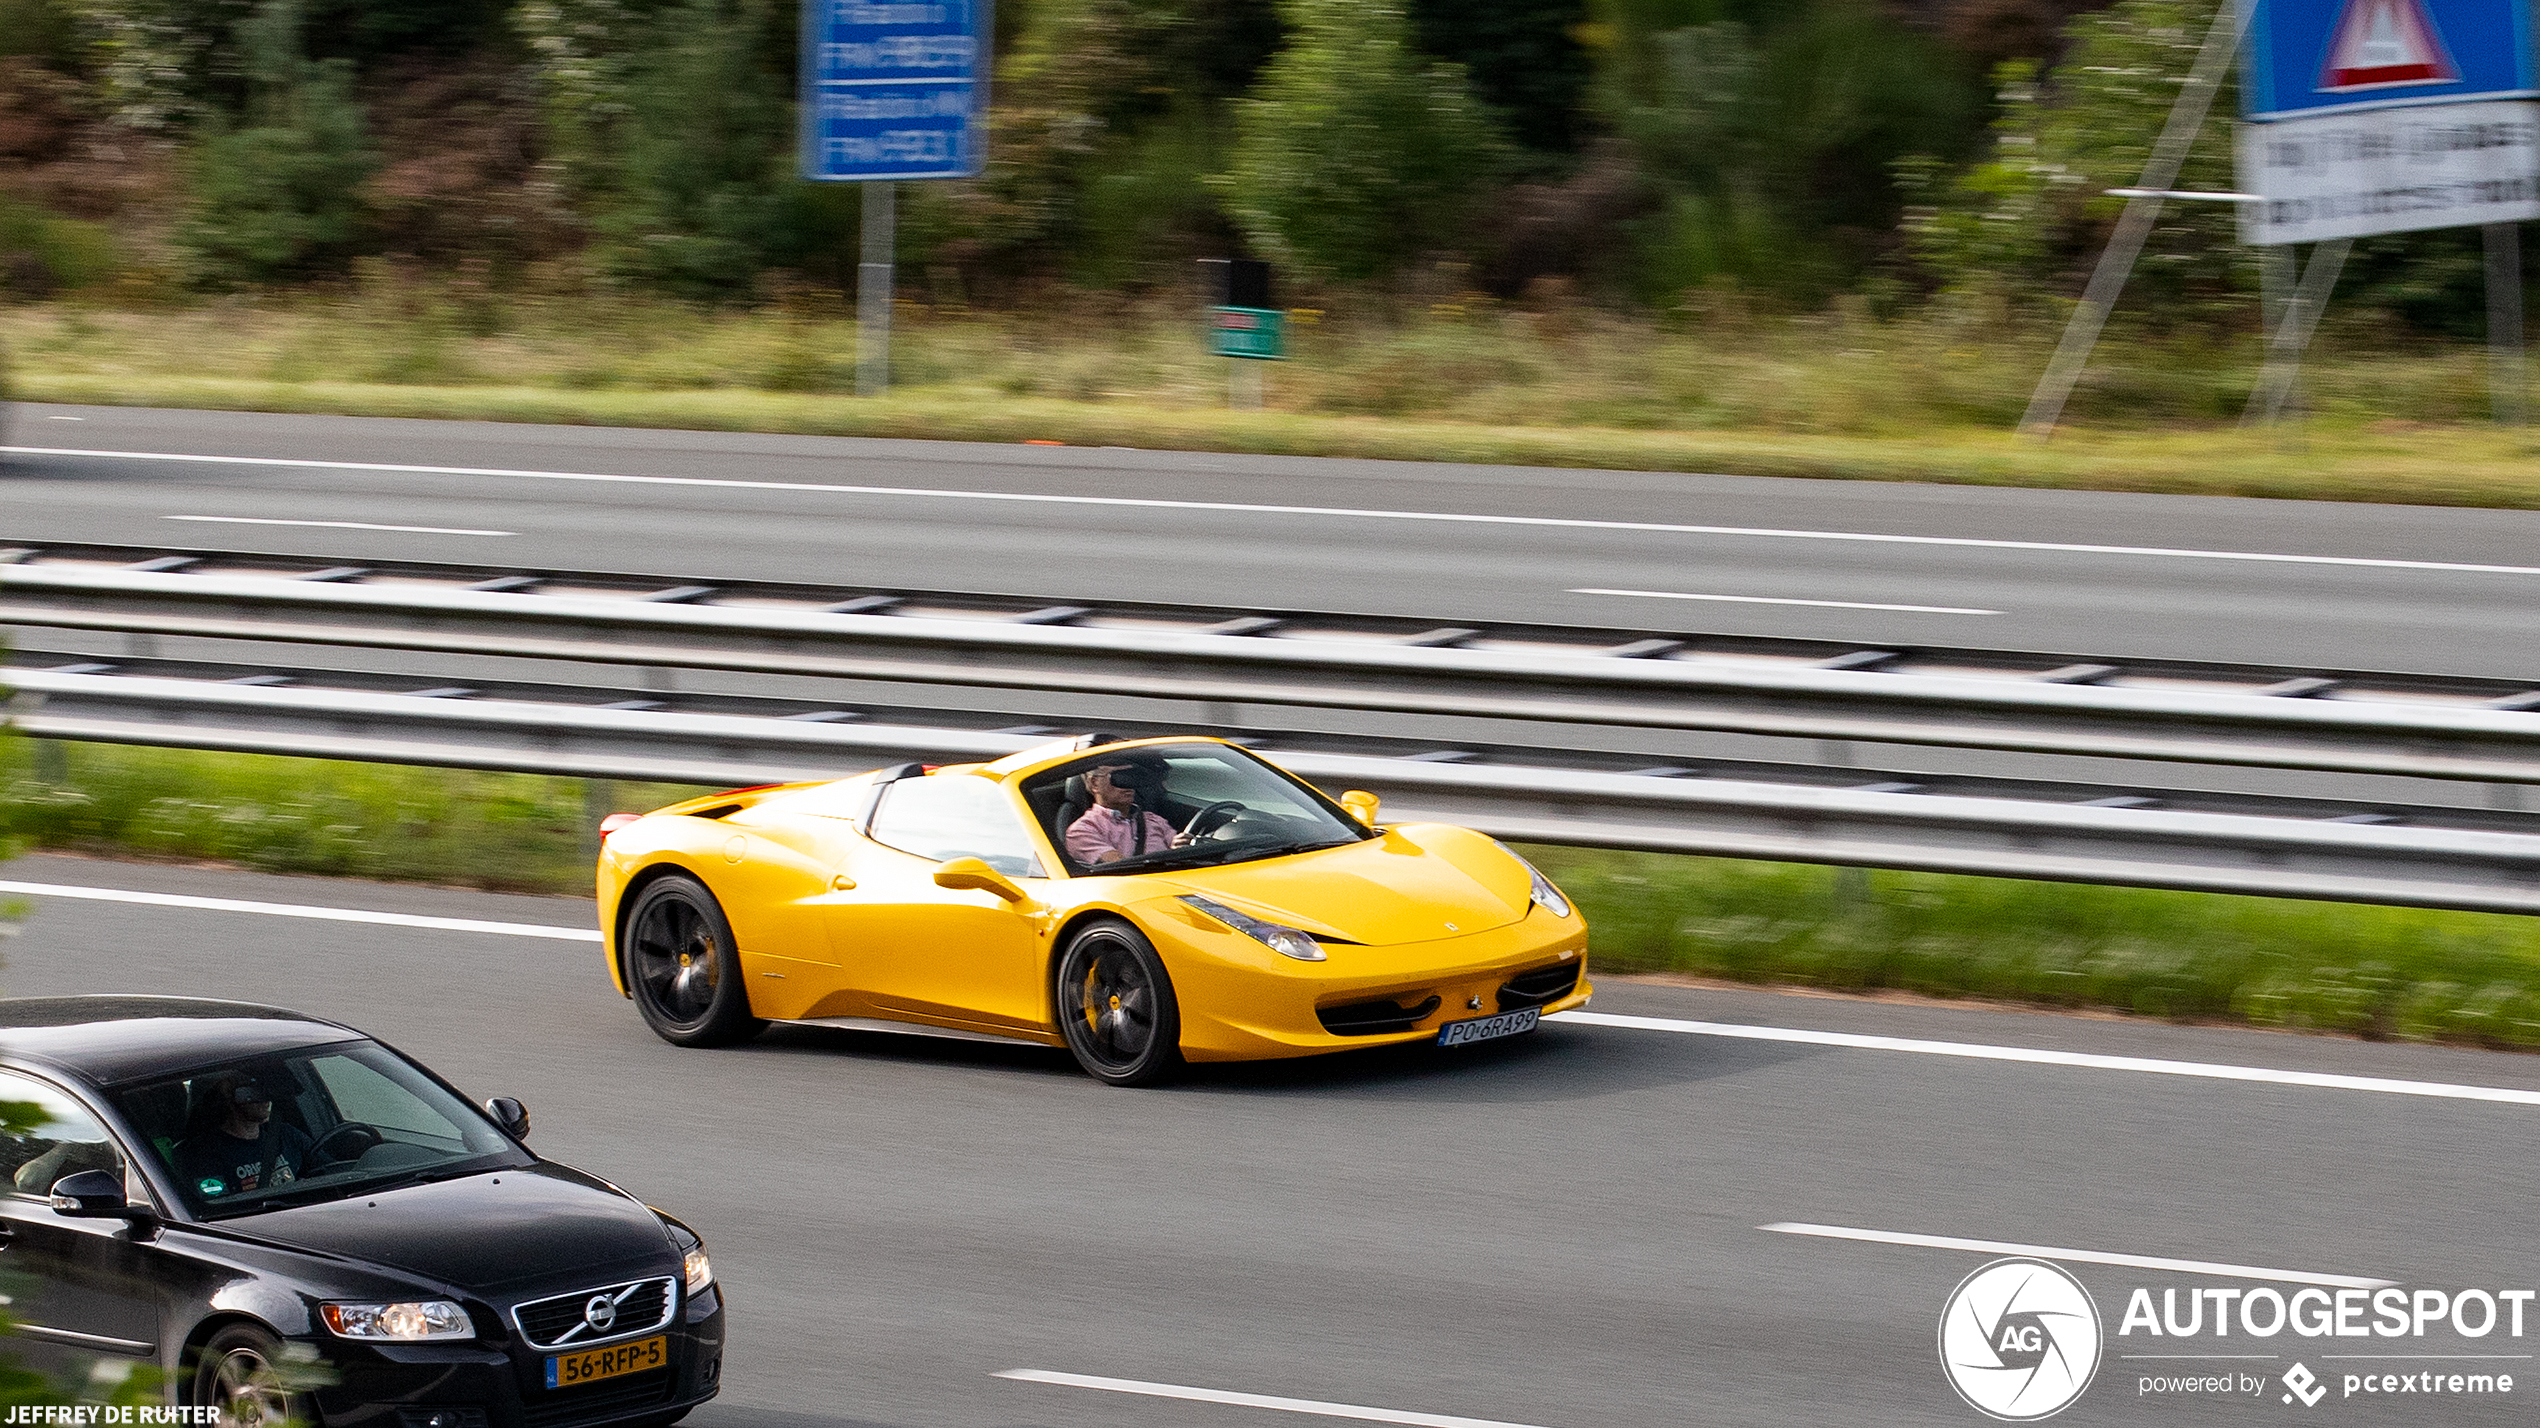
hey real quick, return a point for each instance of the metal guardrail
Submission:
(2415, 726)
(2309, 856)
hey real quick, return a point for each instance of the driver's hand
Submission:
(1181, 840)
(1107, 855)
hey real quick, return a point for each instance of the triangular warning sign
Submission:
(2381, 43)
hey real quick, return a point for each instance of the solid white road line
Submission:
(1776, 600)
(2083, 1059)
(338, 525)
(1253, 1400)
(323, 914)
(2077, 1256)
(1249, 508)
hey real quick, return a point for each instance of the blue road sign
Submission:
(2318, 56)
(894, 89)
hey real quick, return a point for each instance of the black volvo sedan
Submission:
(289, 1219)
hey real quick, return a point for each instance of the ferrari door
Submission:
(917, 949)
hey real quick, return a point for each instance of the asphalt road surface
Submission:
(1566, 1231)
(2304, 583)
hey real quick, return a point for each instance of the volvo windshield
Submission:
(298, 1127)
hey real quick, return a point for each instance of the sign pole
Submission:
(873, 290)
(2293, 336)
(2508, 385)
(2160, 173)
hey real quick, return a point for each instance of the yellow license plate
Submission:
(591, 1365)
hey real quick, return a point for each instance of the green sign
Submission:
(1260, 333)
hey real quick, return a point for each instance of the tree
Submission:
(1769, 133)
(705, 152)
(1354, 156)
(2029, 219)
(283, 194)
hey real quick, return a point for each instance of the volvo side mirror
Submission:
(511, 1115)
(970, 874)
(90, 1195)
(1361, 805)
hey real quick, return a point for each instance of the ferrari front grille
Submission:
(595, 1316)
(1373, 1018)
(1540, 987)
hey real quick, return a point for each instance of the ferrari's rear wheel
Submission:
(684, 967)
(1115, 1004)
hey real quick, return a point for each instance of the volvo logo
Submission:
(600, 1313)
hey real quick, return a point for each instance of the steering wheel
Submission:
(364, 1137)
(1191, 831)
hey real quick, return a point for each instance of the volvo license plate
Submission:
(1489, 1028)
(591, 1365)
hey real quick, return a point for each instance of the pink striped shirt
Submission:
(1101, 828)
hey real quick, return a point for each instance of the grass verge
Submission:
(1928, 398)
(2368, 971)
(2430, 466)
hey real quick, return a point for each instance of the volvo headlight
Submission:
(402, 1323)
(1541, 889)
(696, 1269)
(1286, 941)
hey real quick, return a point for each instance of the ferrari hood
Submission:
(1419, 883)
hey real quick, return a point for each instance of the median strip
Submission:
(2079, 1256)
(1253, 1400)
(2085, 1060)
(322, 914)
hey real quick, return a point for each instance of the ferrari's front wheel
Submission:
(684, 967)
(1116, 1007)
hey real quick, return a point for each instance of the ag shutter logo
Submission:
(2019, 1339)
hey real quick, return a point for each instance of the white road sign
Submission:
(2354, 173)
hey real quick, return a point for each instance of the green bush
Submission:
(284, 193)
(43, 253)
(1354, 156)
(706, 154)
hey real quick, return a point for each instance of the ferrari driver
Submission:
(1115, 827)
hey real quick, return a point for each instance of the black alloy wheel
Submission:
(684, 967)
(239, 1372)
(1115, 1005)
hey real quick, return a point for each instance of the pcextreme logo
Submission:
(2019, 1340)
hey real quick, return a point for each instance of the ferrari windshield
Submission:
(1143, 809)
(318, 1123)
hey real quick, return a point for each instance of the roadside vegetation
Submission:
(1789, 237)
(2365, 971)
(1928, 396)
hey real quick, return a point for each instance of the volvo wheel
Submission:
(684, 967)
(1115, 1004)
(238, 1372)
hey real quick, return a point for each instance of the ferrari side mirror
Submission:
(970, 874)
(1361, 805)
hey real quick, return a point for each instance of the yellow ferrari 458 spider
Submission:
(1143, 903)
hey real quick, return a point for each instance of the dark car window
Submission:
(303, 1126)
(1231, 806)
(66, 1141)
(947, 816)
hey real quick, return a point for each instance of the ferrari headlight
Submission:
(403, 1323)
(1541, 888)
(696, 1269)
(1286, 941)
